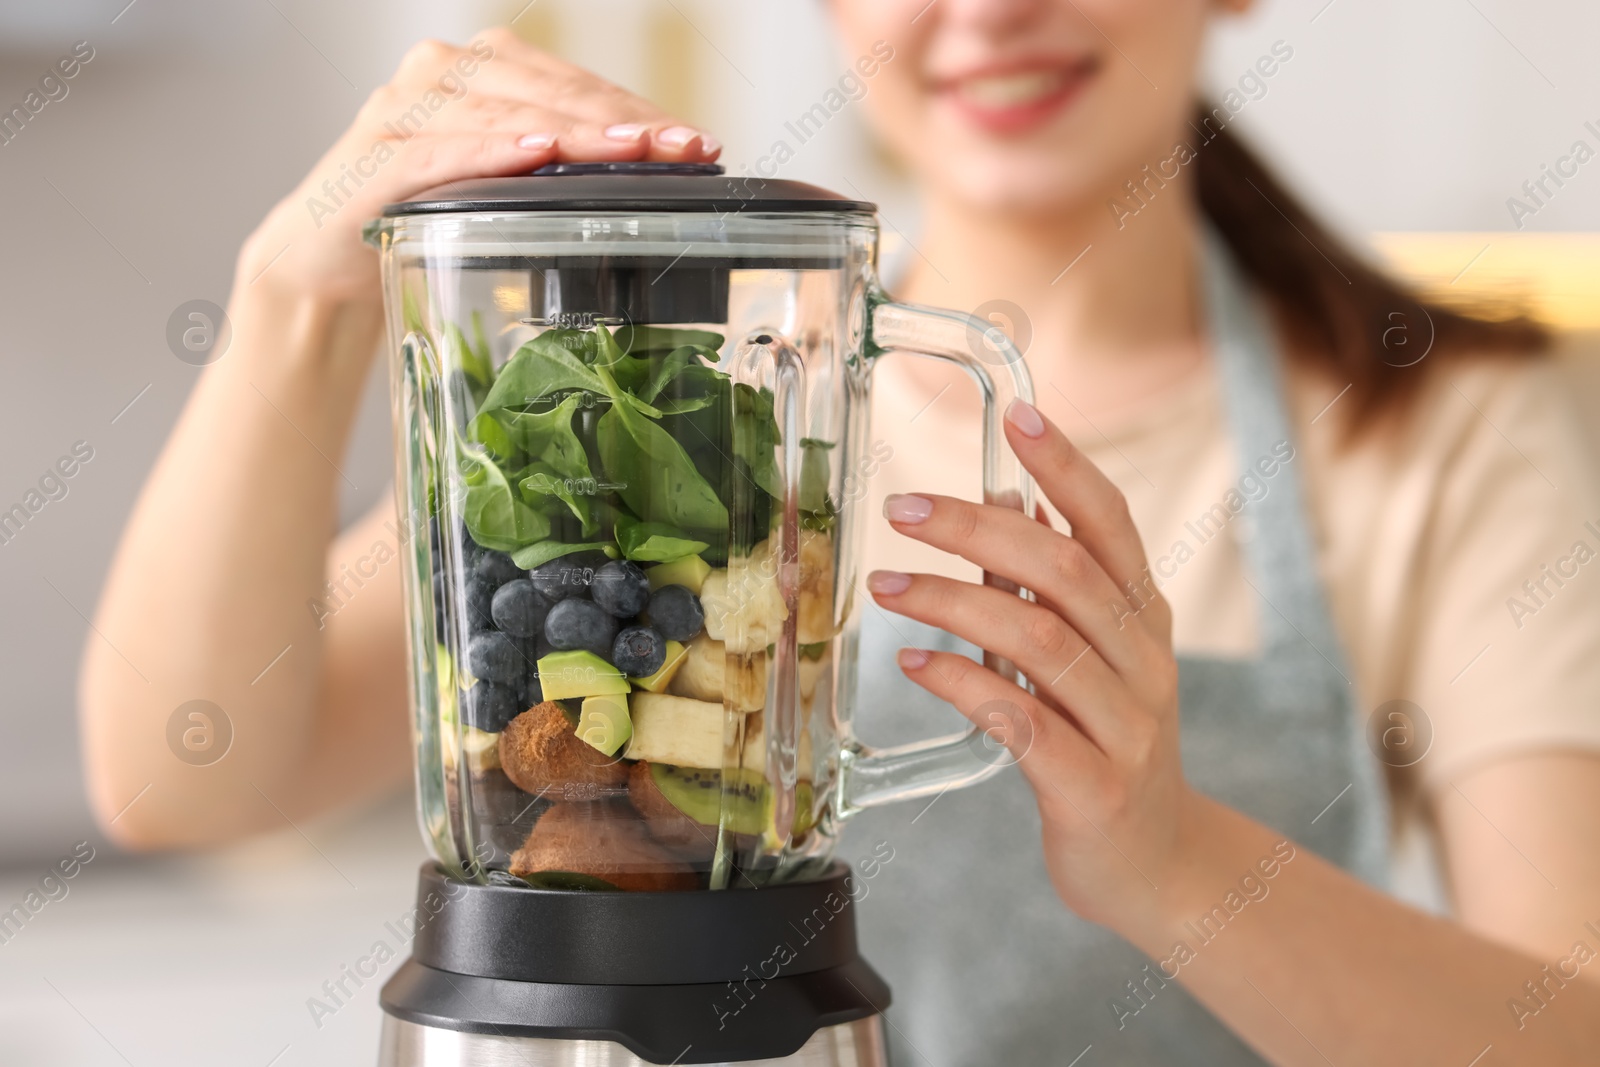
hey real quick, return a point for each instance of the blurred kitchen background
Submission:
(131, 195)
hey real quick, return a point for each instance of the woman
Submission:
(1212, 370)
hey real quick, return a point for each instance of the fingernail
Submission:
(1025, 417)
(905, 508)
(537, 140)
(912, 658)
(627, 131)
(709, 144)
(888, 583)
(676, 136)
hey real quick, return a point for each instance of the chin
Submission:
(1001, 183)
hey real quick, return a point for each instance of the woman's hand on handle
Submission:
(1129, 844)
(496, 106)
(1097, 737)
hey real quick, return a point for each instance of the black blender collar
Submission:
(631, 187)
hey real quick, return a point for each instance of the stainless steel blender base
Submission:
(408, 1044)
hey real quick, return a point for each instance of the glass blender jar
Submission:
(631, 410)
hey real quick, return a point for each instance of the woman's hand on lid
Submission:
(494, 107)
(1097, 738)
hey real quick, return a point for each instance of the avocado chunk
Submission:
(576, 673)
(657, 682)
(689, 571)
(603, 723)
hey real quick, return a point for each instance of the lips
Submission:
(1020, 98)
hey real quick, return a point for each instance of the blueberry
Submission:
(518, 609)
(621, 588)
(480, 603)
(494, 657)
(490, 706)
(581, 624)
(529, 691)
(497, 568)
(676, 612)
(563, 578)
(468, 549)
(639, 651)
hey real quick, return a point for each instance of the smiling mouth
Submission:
(1011, 90)
(1018, 99)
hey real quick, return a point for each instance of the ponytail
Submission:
(1341, 315)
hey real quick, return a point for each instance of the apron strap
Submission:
(1279, 551)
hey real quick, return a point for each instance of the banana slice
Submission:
(704, 675)
(675, 730)
(744, 606)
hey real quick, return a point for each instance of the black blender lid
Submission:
(635, 187)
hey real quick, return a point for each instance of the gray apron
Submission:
(987, 965)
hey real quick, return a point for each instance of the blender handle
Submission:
(872, 777)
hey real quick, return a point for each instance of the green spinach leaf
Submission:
(756, 437)
(638, 340)
(667, 368)
(654, 542)
(487, 431)
(682, 405)
(554, 362)
(494, 516)
(458, 353)
(545, 551)
(549, 436)
(657, 478)
(541, 483)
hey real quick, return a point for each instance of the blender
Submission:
(630, 406)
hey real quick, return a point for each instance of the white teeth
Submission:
(1010, 90)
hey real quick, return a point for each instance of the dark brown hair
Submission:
(1341, 314)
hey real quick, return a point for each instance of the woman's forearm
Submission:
(1311, 966)
(227, 544)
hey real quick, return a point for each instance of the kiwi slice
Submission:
(570, 881)
(698, 794)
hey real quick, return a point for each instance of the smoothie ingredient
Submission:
(539, 752)
(575, 623)
(706, 672)
(676, 612)
(639, 650)
(672, 662)
(697, 794)
(518, 609)
(676, 730)
(561, 578)
(603, 841)
(603, 724)
(494, 657)
(490, 706)
(621, 588)
(569, 675)
(689, 572)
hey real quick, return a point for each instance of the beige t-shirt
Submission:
(1461, 556)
